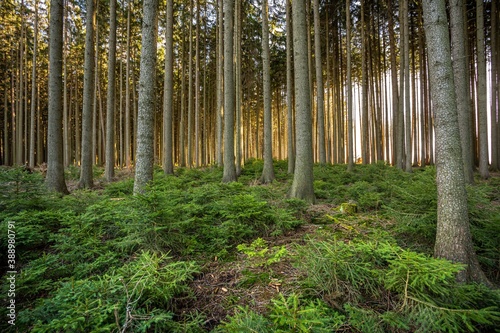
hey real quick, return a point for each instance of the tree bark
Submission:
(289, 89)
(268, 171)
(33, 93)
(110, 106)
(55, 163)
(168, 164)
(145, 121)
(320, 93)
(302, 186)
(350, 137)
(229, 174)
(453, 238)
(220, 84)
(481, 91)
(86, 174)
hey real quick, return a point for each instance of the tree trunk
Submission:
(239, 92)
(110, 106)
(168, 164)
(365, 146)
(268, 171)
(458, 39)
(55, 163)
(289, 89)
(86, 175)
(33, 93)
(320, 93)
(481, 91)
(407, 106)
(350, 137)
(220, 83)
(229, 174)
(302, 186)
(127, 140)
(190, 91)
(453, 238)
(394, 83)
(145, 121)
(494, 86)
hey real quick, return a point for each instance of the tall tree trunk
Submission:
(197, 91)
(394, 83)
(55, 159)
(33, 93)
(289, 89)
(458, 39)
(494, 86)
(302, 186)
(350, 136)
(407, 106)
(220, 83)
(168, 163)
(86, 175)
(110, 106)
(229, 174)
(239, 91)
(268, 170)
(400, 151)
(453, 237)
(365, 145)
(190, 91)
(145, 121)
(481, 91)
(127, 140)
(320, 93)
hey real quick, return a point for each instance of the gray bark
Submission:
(55, 167)
(481, 91)
(220, 83)
(407, 107)
(320, 93)
(302, 186)
(145, 121)
(86, 175)
(168, 164)
(110, 106)
(127, 140)
(289, 89)
(268, 171)
(461, 83)
(453, 238)
(229, 174)
(350, 137)
(33, 93)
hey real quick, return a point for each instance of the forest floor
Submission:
(195, 255)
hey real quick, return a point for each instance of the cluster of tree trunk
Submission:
(304, 80)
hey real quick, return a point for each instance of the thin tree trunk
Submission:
(268, 170)
(168, 164)
(320, 93)
(239, 92)
(481, 91)
(197, 91)
(289, 89)
(86, 174)
(190, 91)
(110, 106)
(127, 140)
(407, 106)
(33, 93)
(220, 83)
(350, 137)
(365, 146)
(229, 174)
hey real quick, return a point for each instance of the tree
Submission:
(55, 164)
(110, 106)
(219, 113)
(320, 93)
(457, 28)
(302, 186)
(481, 91)
(289, 88)
(453, 237)
(145, 121)
(33, 93)
(268, 171)
(86, 174)
(168, 164)
(350, 137)
(229, 174)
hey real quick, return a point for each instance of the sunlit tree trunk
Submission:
(55, 159)
(168, 164)
(268, 171)
(481, 91)
(190, 91)
(239, 91)
(220, 83)
(197, 91)
(453, 237)
(86, 175)
(229, 174)
(365, 145)
(110, 106)
(145, 121)
(302, 186)
(127, 140)
(394, 83)
(407, 105)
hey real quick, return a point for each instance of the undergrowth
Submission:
(108, 261)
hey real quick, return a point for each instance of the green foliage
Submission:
(127, 297)
(260, 254)
(422, 290)
(287, 314)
